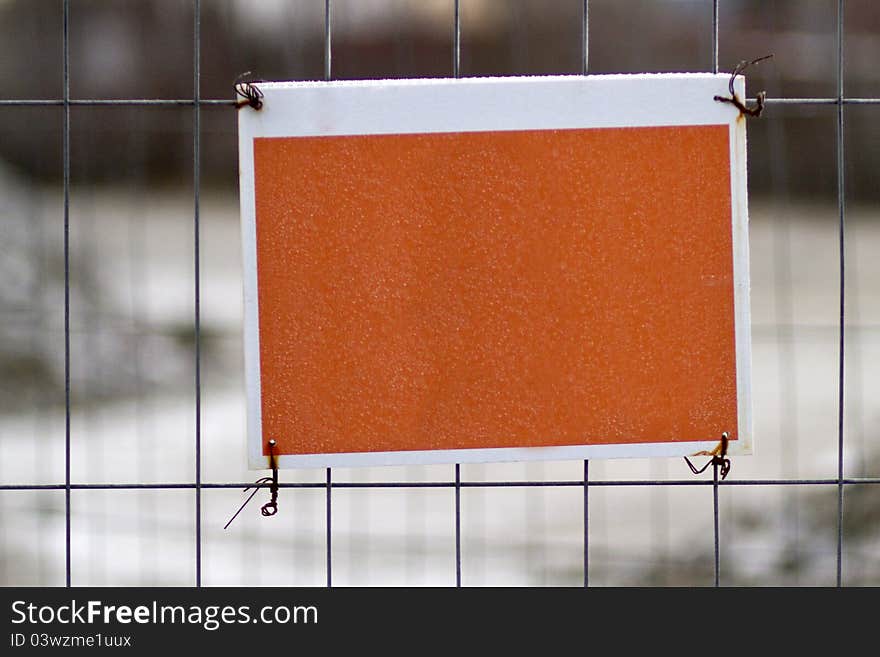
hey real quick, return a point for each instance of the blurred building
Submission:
(145, 49)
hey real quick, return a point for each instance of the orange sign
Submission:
(544, 292)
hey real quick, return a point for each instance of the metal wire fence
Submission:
(331, 487)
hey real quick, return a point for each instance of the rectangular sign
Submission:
(495, 269)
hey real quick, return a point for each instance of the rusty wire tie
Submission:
(719, 458)
(735, 101)
(270, 508)
(248, 91)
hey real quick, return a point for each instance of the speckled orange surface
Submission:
(502, 289)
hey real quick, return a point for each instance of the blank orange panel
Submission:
(495, 289)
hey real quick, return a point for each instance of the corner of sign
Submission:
(719, 450)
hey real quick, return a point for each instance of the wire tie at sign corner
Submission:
(719, 458)
(248, 91)
(270, 508)
(735, 101)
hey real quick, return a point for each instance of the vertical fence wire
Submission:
(66, 165)
(329, 522)
(585, 37)
(715, 514)
(328, 27)
(585, 69)
(715, 525)
(458, 524)
(456, 39)
(715, 36)
(328, 75)
(197, 278)
(841, 211)
(586, 523)
(456, 72)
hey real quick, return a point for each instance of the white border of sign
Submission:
(379, 107)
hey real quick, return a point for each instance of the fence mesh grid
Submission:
(331, 487)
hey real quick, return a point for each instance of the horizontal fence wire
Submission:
(565, 483)
(197, 103)
(219, 102)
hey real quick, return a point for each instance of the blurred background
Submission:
(133, 417)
